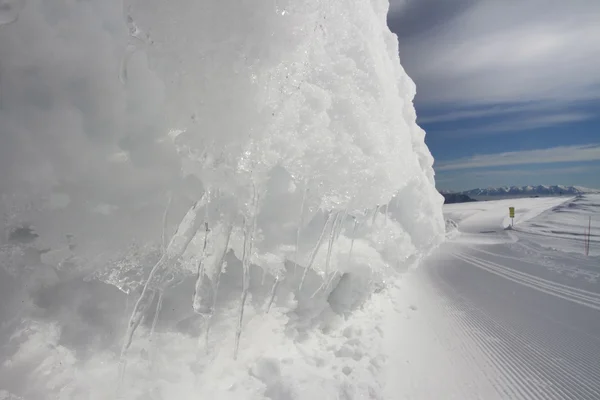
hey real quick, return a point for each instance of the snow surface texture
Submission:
(513, 312)
(306, 188)
(539, 190)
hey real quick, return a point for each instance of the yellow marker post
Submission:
(511, 211)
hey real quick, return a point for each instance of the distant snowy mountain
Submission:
(539, 190)
(451, 198)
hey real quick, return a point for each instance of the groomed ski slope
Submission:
(506, 314)
(217, 206)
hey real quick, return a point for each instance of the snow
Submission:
(540, 190)
(482, 215)
(559, 223)
(220, 202)
(231, 202)
(505, 313)
(565, 227)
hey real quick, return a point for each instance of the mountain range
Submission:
(539, 190)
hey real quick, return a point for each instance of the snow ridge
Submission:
(299, 188)
(530, 190)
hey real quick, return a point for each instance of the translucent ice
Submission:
(287, 126)
(9, 11)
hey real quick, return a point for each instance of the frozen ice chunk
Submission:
(9, 11)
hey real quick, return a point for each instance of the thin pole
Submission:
(587, 249)
(585, 242)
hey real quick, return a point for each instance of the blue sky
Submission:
(508, 91)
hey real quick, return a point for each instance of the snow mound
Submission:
(306, 188)
(451, 228)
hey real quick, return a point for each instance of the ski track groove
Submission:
(536, 284)
(542, 375)
(469, 351)
(578, 256)
(549, 266)
(594, 297)
(590, 366)
(530, 342)
(520, 361)
(596, 338)
(512, 359)
(500, 383)
(505, 382)
(465, 347)
(513, 364)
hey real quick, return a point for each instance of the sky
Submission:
(507, 90)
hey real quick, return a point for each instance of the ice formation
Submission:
(307, 186)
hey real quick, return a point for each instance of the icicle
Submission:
(238, 332)
(375, 215)
(129, 52)
(185, 232)
(219, 271)
(248, 248)
(164, 221)
(273, 291)
(341, 223)
(137, 316)
(314, 252)
(122, 369)
(336, 228)
(264, 277)
(181, 239)
(325, 285)
(127, 300)
(386, 215)
(352, 240)
(300, 222)
(332, 238)
(157, 312)
(154, 322)
(203, 288)
(139, 310)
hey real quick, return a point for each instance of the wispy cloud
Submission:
(582, 175)
(482, 112)
(561, 154)
(489, 52)
(539, 121)
(519, 172)
(458, 115)
(520, 124)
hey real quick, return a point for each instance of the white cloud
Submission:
(590, 152)
(520, 124)
(508, 51)
(519, 172)
(491, 111)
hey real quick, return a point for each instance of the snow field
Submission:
(526, 297)
(299, 187)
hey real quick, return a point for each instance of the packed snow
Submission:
(507, 312)
(498, 312)
(231, 202)
(205, 200)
